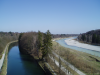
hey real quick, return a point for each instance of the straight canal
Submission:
(20, 64)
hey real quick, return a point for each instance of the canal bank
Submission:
(5, 66)
(4, 61)
(43, 64)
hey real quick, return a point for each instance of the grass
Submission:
(55, 67)
(66, 66)
(81, 60)
(4, 67)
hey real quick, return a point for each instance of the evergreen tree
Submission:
(39, 41)
(47, 43)
(83, 37)
(97, 39)
(87, 38)
(94, 38)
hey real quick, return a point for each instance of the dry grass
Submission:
(66, 67)
(55, 67)
(4, 67)
(81, 60)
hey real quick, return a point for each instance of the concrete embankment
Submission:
(3, 60)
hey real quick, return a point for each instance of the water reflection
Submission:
(20, 64)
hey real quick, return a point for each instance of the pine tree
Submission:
(87, 38)
(47, 44)
(39, 42)
(39, 45)
(94, 38)
(83, 37)
(97, 39)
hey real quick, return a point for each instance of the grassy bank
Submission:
(4, 67)
(85, 62)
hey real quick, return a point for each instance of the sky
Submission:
(58, 16)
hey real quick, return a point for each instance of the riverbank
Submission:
(85, 62)
(4, 64)
(82, 45)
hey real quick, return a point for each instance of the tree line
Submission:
(63, 35)
(6, 37)
(37, 44)
(95, 38)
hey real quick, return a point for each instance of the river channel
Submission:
(92, 52)
(20, 64)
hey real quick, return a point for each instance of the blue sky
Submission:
(59, 16)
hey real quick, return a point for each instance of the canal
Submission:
(21, 64)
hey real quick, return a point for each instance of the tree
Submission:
(97, 39)
(39, 42)
(94, 38)
(87, 38)
(47, 44)
(20, 37)
(83, 37)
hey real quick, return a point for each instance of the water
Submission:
(20, 64)
(62, 42)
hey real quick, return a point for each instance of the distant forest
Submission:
(63, 35)
(90, 37)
